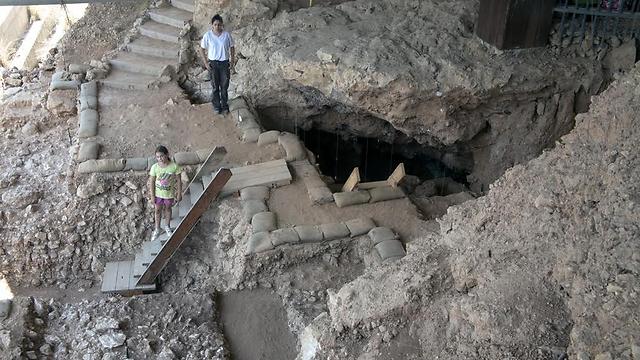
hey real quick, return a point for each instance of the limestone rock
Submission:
(112, 340)
(62, 102)
(90, 188)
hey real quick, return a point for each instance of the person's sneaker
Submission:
(155, 234)
(218, 111)
(168, 230)
(225, 111)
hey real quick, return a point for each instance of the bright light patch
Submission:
(5, 290)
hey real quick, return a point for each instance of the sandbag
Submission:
(360, 226)
(284, 236)
(64, 85)
(390, 249)
(88, 102)
(248, 123)
(343, 199)
(186, 158)
(203, 154)
(102, 165)
(243, 115)
(292, 147)
(88, 151)
(259, 242)
(309, 233)
(263, 221)
(88, 123)
(254, 193)
(332, 231)
(268, 137)
(78, 68)
(320, 195)
(314, 181)
(250, 135)
(89, 89)
(136, 164)
(252, 207)
(385, 193)
(380, 234)
(58, 76)
(237, 104)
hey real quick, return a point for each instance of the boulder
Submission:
(62, 103)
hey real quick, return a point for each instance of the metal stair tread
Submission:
(143, 44)
(207, 179)
(177, 15)
(195, 189)
(184, 205)
(168, 33)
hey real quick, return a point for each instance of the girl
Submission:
(164, 178)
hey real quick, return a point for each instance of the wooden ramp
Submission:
(138, 276)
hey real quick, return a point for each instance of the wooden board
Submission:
(352, 181)
(396, 176)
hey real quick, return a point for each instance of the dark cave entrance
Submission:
(338, 153)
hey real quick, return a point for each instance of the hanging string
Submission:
(335, 173)
(366, 159)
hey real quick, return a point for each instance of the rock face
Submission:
(414, 64)
(544, 266)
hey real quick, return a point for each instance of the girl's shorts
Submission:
(165, 202)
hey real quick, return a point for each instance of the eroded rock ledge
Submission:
(416, 65)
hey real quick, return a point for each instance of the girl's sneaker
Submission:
(168, 230)
(155, 234)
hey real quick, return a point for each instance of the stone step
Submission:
(186, 5)
(159, 31)
(125, 80)
(153, 47)
(138, 63)
(171, 16)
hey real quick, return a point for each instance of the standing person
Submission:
(219, 59)
(164, 178)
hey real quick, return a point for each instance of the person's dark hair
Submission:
(162, 149)
(216, 17)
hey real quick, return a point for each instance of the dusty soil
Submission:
(133, 123)
(100, 30)
(255, 323)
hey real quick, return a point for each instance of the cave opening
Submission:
(337, 153)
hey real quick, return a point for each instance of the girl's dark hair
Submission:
(217, 17)
(162, 149)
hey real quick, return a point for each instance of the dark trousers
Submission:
(219, 72)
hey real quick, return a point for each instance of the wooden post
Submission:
(352, 181)
(396, 176)
(511, 24)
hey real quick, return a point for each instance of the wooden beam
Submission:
(352, 181)
(188, 223)
(396, 175)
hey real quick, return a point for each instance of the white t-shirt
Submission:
(218, 47)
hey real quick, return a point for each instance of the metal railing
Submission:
(600, 18)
